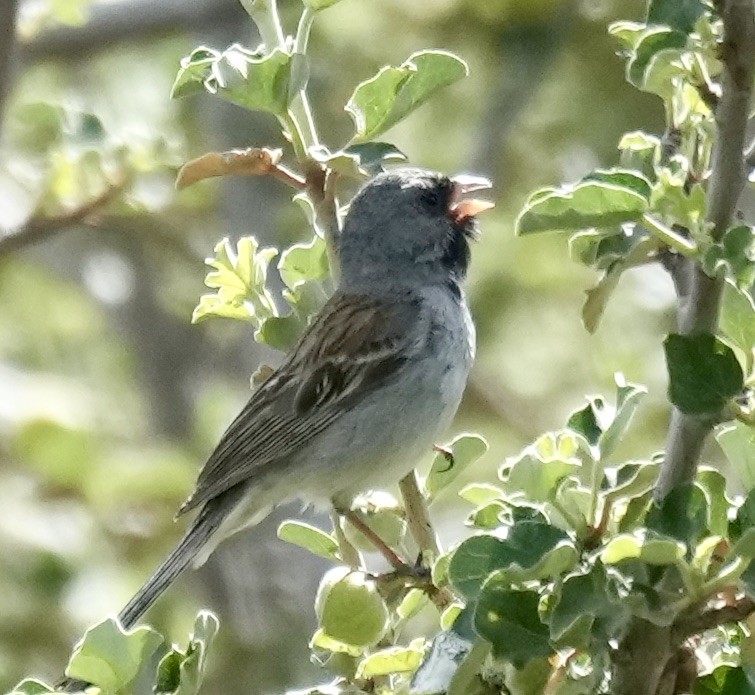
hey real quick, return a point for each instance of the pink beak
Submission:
(464, 184)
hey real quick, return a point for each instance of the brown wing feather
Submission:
(355, 343)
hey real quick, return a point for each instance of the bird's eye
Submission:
(431, 198)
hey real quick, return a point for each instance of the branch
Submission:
(321, 184)
(8, 11)
(739, 610)
(699, 304)
(39, 227)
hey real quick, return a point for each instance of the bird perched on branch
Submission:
(368, 387)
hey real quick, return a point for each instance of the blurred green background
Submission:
(110, 400)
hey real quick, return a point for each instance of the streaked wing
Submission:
(354, 344)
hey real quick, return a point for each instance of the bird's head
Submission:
(410, 226)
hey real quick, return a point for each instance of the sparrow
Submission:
(370, 385)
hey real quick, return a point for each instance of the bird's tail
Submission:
(207, 522)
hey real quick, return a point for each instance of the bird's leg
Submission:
(380, 545)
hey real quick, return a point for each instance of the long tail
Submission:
(196, 536)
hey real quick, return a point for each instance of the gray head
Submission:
(408, 227)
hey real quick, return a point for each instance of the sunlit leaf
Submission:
(588, 203)
(532, 550)
(310, 538)
(463, 451)
(392, 660)
(650, 550)
(654, 40)
(110, 657)
(302, 262)
(31, 686)
(349, 607)
(256, 81)
(390, 96)
(738, 443)
(738, 320)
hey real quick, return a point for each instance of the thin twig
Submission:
(418, 517)
(321, 185)
(41, 227)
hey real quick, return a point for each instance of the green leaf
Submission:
(624, 178)
(713, 483)
(488, 516)
(310, 538)
(537, 479)
(361, 159)
(738, 320)
(279, 332)
(654, 40)
(193, 72)
(606, 202)
(31, 686)
(193, 667)
(510, 621)
(602, 425)
(110, 657)
(392, 660)
(628, 397)
(238, 276)
(632, 480)
(738, 443)
(480, 493)
(541, 466)
(384, 100)
(465, 450)
(587, 606)
(590, 420)
(627, 33)
(349, 607)
(598, 296)
(318, 5)
(168, 677)
(704, 373)
(640, 546)
(663, 73)
(725, 680)
(682, 514)
(677, 14)
(254, 80)
(745, 517)
(302, 262)
(181, 672)
(601, 249)
(733, 256)
(532, 550)
(210, 305)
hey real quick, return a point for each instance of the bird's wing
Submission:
(354, 345)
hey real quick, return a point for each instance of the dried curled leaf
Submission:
(252, 161)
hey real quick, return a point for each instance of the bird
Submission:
(368, 387)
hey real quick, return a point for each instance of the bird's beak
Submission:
(462, 208)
